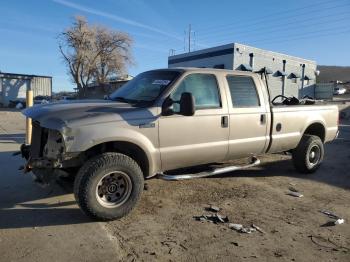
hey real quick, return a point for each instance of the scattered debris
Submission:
(212, 208)
(295, 194)
(293, 189)
(234, 243)
(236, 227)
(329, 214)
(338, 220)
(217, 218)
(247, 230)
(240, 228)
(213, 218)
(258, 229)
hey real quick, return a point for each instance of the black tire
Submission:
(308, 155)
(96, 175)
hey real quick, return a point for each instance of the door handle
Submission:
(262, 119)
(224, 121)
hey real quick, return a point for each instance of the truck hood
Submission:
(83, 112)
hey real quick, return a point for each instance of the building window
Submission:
(243, 91)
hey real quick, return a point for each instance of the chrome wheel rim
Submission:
(314, 155)
(113, 189)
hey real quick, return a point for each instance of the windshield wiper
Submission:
(123, 99)
(133, 102)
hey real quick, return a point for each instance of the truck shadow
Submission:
(333, 171)
(327, 173)
(41, 217)
(25, 204)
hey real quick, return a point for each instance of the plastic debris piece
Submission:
(213, 218)
(295, 194)
(222, 219)
(213, 208)
(293, 189)
(236, 227)
(247, 230)
(329, 214)
(339, 221)
(258, 229)
(240, 228)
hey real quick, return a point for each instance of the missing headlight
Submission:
(54, 146)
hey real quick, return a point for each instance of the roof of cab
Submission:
(207, 70)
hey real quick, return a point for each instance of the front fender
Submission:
(84, 138)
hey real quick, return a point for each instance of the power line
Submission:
(324, 34)
(305, 35)
(274, 15)
(285, 29)
(280, 25)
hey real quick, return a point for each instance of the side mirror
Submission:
(187, 104)
(166, 107)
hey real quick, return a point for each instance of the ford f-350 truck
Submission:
(168, 119)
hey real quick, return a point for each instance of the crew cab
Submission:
(168, 119)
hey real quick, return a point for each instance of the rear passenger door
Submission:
(201, 138)
(248, 115)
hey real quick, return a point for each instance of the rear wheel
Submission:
(308, 155)
(108, 186)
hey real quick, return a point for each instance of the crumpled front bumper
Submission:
(38, 162)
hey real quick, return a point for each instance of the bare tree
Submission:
(94, 53)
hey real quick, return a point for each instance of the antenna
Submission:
(189, 37)
(172, 52)
(194, 41)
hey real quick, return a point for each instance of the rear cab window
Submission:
(243, 91)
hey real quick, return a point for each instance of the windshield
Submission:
(145, 87)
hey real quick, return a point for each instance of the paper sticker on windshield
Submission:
(161, 82)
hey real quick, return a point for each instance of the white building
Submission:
(287, 75)
(15, 86)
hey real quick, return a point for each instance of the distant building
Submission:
(287, 75)
(15, 86)
(99, 91)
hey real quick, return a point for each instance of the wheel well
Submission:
(126, 148)
(316, 129)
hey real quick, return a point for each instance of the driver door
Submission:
(201, 138)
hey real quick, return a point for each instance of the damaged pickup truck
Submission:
(168, 119)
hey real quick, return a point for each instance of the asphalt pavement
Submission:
(42, 224)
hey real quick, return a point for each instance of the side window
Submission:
(204, 88)
(243, 91)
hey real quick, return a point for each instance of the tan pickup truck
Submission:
(167, 119)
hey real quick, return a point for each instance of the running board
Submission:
(254, 162)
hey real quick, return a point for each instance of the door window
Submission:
(243, 91)
(204, 88)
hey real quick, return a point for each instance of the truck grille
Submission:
(39, 139)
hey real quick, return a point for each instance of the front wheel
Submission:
(108, 186)
(308, 155)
